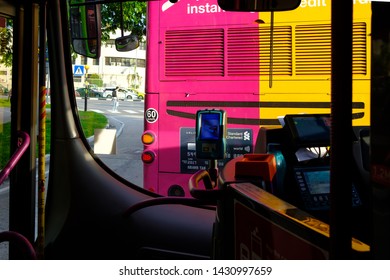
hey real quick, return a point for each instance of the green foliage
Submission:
(89, 121)
(134, 19)
(95, 79)
(6, 46)
(5, 140)
(5, 102)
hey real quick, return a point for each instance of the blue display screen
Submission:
(210, 127)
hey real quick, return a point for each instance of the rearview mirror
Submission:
(126, 43)
(259, 5)
(85, 25)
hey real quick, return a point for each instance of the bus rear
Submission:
(259, 69)
(196, 60)
(298, 77)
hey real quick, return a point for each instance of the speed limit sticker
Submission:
(151, 115)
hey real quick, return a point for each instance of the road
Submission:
(129, 124)
(128, 121)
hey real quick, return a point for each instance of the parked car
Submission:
(131, 94)
(122, 93)
(91, 92)
(141, 95)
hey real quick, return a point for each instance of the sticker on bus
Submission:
(239, 141)
(151, 115)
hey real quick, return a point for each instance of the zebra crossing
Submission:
(128, 109)
(124, 111)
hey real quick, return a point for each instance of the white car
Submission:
(121, 93)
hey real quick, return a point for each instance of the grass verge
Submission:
(89, 122)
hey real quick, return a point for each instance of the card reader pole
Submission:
(213, 172)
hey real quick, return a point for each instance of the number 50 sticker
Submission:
(151, 115)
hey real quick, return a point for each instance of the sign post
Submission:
(86, 87)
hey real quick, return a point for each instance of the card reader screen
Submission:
(210, 126)
(318, 182)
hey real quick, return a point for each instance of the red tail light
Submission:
(148, 156)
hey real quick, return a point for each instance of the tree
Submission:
(134, 18)
(134, 21)
(95, 79)
(6, 45)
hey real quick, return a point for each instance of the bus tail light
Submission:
(148, 138)
(148, 156)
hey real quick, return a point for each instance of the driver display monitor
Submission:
(309, 130)
(317, 181)
(314, 187)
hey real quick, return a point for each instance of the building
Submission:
(124, 69)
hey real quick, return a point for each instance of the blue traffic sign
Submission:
(78, 70)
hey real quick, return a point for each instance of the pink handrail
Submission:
(21, 242)
(11, 236)
(23, 143)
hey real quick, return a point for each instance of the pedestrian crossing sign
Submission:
(78, 70)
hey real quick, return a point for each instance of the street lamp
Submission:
(86, 87)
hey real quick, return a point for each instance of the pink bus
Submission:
(196, 60)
